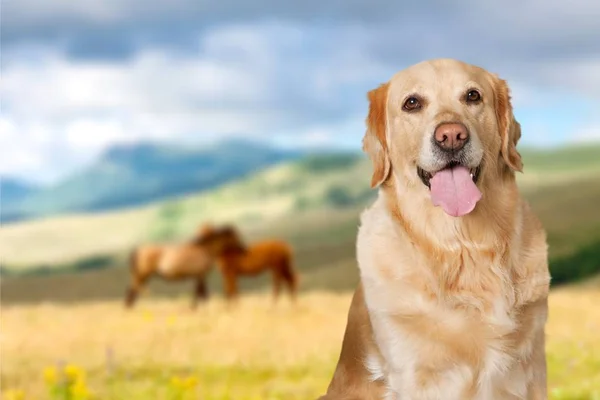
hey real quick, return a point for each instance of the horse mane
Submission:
(236, 249)
(203, 235)
(198, 241)
(228, 233)
(233, 249)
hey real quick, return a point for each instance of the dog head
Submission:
(446, 127)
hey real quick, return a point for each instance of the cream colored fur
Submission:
(456, 306)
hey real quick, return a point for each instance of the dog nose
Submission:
(451, 136)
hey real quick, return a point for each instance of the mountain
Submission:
(127, 175)
(13, 189)
(13, 192)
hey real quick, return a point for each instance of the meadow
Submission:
(63, 279)
(256, 351)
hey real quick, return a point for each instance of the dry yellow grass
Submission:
(256, 351)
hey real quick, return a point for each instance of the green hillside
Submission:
(563, 159)
(130, 175)
(312, 183)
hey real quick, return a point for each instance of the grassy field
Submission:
(256, 351)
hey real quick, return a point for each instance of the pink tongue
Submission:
(453, 189)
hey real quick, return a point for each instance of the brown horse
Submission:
(236, 259)
(171, 262)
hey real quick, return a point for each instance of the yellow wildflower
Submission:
(183, 385)
(148, 316)
(14, 394)
(79, 390)
(50, 376)
(74, 373)
(176, 382)
(191, 382)
(171, 320)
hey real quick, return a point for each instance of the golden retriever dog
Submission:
(454, 279)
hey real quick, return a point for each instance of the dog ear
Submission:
(510, 129)
(374, 142)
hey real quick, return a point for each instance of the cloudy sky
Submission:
(78, 76)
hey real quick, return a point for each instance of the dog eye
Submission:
(411, 104)
(473, 96)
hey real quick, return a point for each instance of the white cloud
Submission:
(80, 108)
(345, 133)
(587, 134)
(278, 73)
(88, 135)
(17, 158)
(237, 82)
(97, 12)
(581, 75)
(31, 150)
(152, 82)
(543, 16)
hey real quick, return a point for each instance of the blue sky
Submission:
(80, 76)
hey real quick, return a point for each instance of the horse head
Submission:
(220, 241)
(231, 242)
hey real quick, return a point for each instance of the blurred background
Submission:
(132, 122)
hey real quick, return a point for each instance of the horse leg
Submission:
(231, 289)
(200, 292)
(137, 283)
(131, 296)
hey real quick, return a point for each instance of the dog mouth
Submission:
(426, 176)
(453, 188)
